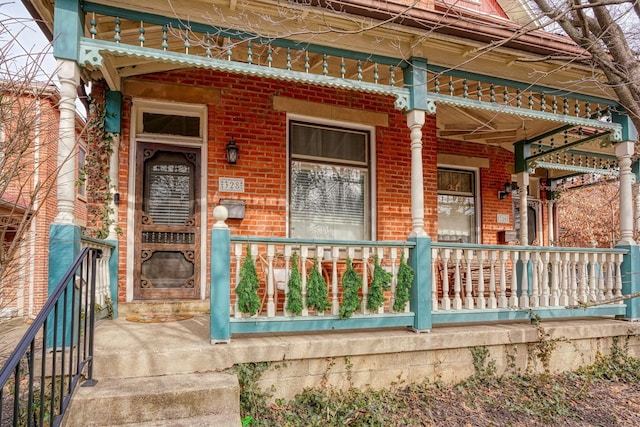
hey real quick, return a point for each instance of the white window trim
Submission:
(478, 194)
(193, 110)
(371, 208)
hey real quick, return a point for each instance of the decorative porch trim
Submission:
(615, 128)
(93, 52)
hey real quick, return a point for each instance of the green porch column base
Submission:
(113, 277)
(220, 298)
(64, 247)
(630, 270)
(420, 261)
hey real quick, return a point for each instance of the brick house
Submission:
(341, 134)
(29, 146)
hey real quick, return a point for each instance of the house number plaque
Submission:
(231, 185)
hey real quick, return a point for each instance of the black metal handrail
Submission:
(38, 380)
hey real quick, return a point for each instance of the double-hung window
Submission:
(457, 213)
(329, 182)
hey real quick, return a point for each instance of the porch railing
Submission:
(480, 281)
(103, 272)
(41, 374)
(452, 283)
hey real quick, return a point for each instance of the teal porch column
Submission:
(420, 261)
(64, 247)
(630, 270)
(113, 276)
(220, 299)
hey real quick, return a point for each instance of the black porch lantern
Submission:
(232, 152)
(508, 189)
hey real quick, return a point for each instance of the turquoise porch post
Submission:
(630, 270)
(113, 276)
(420, 261)
(64, 246)
(220, 300)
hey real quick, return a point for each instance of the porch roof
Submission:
(493, 106)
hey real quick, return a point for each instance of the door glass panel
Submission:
(169, 189)
(168, 124)
(168, 269)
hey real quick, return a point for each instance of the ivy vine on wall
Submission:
(95, 172)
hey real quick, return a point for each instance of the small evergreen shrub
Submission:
(294, 296)
(247, 289)
(380, 282)
(317, 294)
(351, 283)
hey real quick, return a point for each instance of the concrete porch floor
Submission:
(371, 358)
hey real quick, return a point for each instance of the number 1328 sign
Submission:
(231, 185)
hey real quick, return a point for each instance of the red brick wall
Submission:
(244, 111)
(491, 181)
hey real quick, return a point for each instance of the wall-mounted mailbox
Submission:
(235, 207)
(507, 236)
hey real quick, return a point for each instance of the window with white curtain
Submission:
(457, 206)
(329, 182)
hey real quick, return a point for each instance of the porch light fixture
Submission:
(508, 189)
(232, 152)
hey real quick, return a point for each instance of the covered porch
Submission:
(429, 101)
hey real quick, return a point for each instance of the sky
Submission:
(30, 51)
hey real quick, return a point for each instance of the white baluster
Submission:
(524, 296)
(492, 303)
(574, 295)
(287, 275)
(555, 280)
(618, 291)
(538, 273)
(482, 304)
(365, 279)
(593, 276)
(513, 299)
(457, 300)
(610, 282)
(319, 257)
(446, 301)
(271, 305)
(565, 260)
(335, 305)
(502, 299)
(380, 253)
(468, 300)
(583, 277)
(602, 271)
(393, 254)
(304, 254)
(547, 279)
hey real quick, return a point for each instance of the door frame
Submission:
(195, 110)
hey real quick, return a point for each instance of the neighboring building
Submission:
(416, 126)
(29, 147)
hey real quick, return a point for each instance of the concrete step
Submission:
(206, 398)
(129, 349)
(163, 307)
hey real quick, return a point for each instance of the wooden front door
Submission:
(167, 228)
